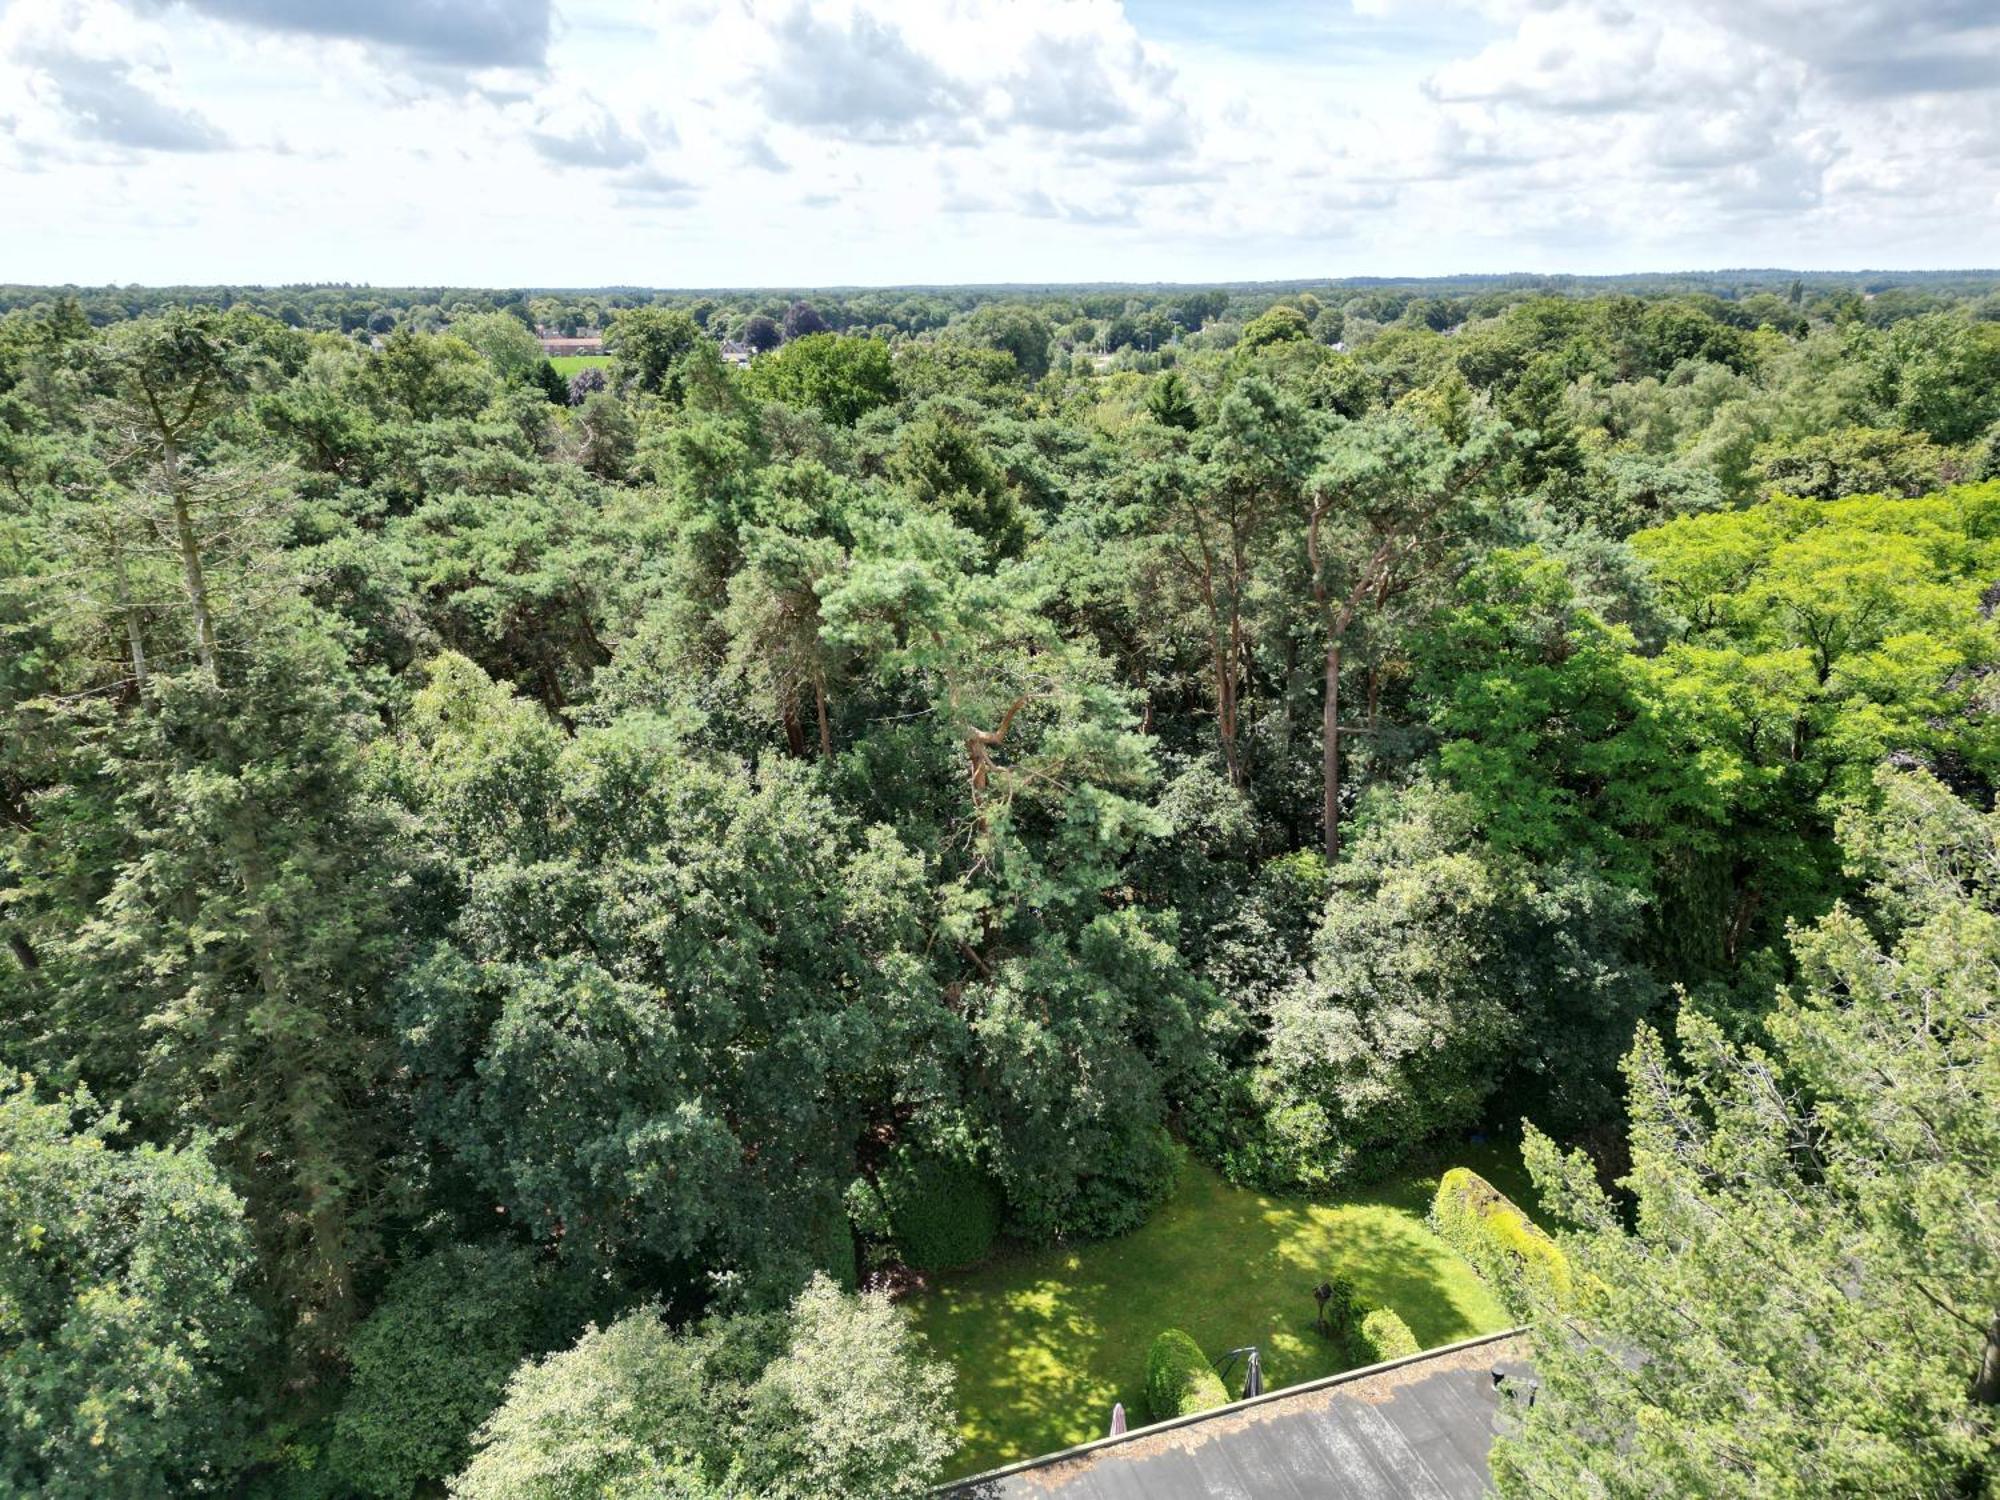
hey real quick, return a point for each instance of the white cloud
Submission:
(89, 76)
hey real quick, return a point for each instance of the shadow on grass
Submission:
(1044, 1341)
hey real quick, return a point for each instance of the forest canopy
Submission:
(517, 890)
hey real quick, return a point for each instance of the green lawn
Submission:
(1044, 1341)
(568, 364)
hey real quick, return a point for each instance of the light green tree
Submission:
(125, 1316)
(835, 1398)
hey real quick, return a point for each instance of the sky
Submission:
(795, 143)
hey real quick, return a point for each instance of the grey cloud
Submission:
(1039, 205)
(457, 33)
(863, 81)
(757, 153)
(1063, 87)
(1878, 48)
(103, 101)
(656, 186)
(603, 143)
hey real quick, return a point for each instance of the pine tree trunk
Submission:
(825, 730)
(133, 636)
(1225, 718)
(191, 569)
(1330, 768)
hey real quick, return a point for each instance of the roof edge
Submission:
(1063, 1455)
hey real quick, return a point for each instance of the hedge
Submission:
(942, 1213)
(1385, 1336)
(1522, 1264)
(1179, 1379)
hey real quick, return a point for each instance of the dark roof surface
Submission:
(1415, 1429)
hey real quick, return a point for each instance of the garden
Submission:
(1045, 1341)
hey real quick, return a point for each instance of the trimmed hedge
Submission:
(942, 1213)
(1523, 1265)
(1385, 1336)
(1179, 1379)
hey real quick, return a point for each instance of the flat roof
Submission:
(1417, 1428)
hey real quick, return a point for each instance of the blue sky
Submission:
(817, 142)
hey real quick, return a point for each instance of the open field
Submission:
(1044, 1341)
(568, 364)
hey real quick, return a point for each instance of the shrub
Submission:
(1523, 1265)
(941, 1212)
(1341, 1308)
(1385, 1336)
(1179, 1379)
(432, 1361)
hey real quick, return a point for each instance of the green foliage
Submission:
(457, 812)
(616, 1415)
(124, 1297)
(834, 1399)
(1521, 1263)
(924, 369)
(854, 1406)
(1800, 1298)
(1817, 638)
(505, 343)
(430, 1362)
(1171, 406)
(841, 378)
(1179, 1378)
(941, 1212)
(420, 377)
(215, 932)
(652, 348)
(1019, 332)
(1341, 1308)
(1856, 461)
(942, 461)
(1279, 325)
(1385, 1336)
(1395, 1034)
(559, 1079)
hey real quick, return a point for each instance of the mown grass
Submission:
(1045, 1340)
(568, 364)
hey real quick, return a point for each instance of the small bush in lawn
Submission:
(941, 1212)
(1385, 1336)
(1339, 1309)
(1179, 1378)
(1523, 1265)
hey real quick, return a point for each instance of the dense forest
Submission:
(527, 894)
